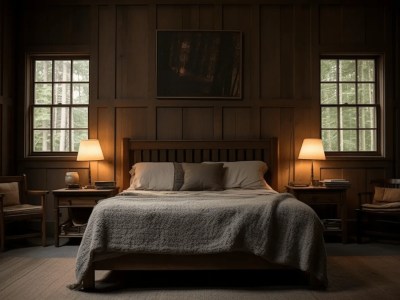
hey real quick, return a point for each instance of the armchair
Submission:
(378, 213)
(14, 207)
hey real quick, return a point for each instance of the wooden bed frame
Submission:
(134, 151)
(191, 151)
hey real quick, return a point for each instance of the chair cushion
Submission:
(389, 207)
(386, 195)
(11, 194)
(22, 209)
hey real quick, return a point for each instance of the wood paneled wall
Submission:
(282, 43)
(7, 95)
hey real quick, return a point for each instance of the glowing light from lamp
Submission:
(314, 150)
(90, 150)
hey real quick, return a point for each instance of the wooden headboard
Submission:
(134, 151)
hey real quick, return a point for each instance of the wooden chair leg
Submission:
(359, 226)
(2, 237)
(44, 231)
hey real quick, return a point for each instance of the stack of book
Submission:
(335, 182)
(332, 224)
(104, 185)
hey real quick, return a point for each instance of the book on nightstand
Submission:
(335, 182)
(104, 185)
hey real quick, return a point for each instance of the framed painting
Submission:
(199, 64)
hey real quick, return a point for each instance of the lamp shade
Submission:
(312, 149)
(90, 150)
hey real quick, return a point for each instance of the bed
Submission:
(219, 211)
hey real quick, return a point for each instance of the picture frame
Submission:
(199, 64)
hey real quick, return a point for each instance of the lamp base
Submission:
(315, 183)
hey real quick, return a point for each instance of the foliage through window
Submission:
(60, 104)
(349, 106)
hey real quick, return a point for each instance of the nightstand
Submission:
(318, 196)
(78, 200)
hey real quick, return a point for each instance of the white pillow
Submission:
(156, 176)
(245, 175)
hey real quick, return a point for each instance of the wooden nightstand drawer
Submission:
(86, 201)
(319, 198)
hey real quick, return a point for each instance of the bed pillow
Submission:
(11, 193)
(244, 175)
(202, 177)
(156, 176)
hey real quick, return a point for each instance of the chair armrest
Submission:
(38, 193)
(363, 196)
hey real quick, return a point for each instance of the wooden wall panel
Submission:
(237, 123)
(132, 52)
(330, 24)
(129, 122)
(7, 89)
(104, 170)
(106, 52)
(283, 45)
(198, 123)
(207, 17)
(188, 17)
(287, 51)
(286, 126)
(2, 43)
(2, 72)
(7, 58)
(169, 123)
(169, 17)
(375, 33)
(302, 53)
(353, 25)
(57, 25)
(270, 48)
(269, 121)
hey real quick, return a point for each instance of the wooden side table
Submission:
(314, 196)
(75, 199)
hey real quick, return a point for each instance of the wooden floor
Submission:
(368, 271)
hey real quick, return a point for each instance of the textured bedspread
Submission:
(274, 226)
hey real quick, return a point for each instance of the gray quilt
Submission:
(276, 227)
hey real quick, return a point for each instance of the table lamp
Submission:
(314, 150)
(90, 150)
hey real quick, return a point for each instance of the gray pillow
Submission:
(202, 177)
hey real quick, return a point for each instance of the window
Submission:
(60, 104)
(349, 106)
